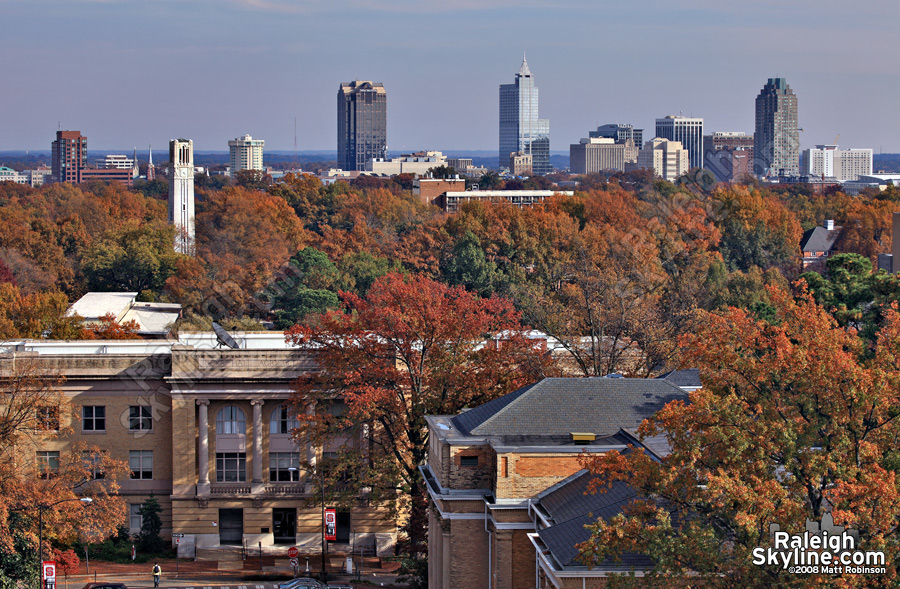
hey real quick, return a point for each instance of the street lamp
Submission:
(41, 507)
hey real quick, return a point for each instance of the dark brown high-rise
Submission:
(69, 151)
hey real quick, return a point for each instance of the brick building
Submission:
(506, 487)
(429, 190)
(205, 430)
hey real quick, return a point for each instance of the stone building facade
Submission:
(207, 432)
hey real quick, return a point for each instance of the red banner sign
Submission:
(331, 524)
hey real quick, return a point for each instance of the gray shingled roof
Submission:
(559, 406)
(573, 509)
(819, 239)
(689, 377)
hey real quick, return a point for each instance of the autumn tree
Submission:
(411, 347)
(33, 410)
(794, 420)
(109, 328)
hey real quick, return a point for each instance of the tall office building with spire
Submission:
(361, 124)
(776, 143)
(520, 128)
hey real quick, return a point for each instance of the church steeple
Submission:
(151, 171)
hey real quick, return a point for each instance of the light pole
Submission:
(324, 544)
(41, 507)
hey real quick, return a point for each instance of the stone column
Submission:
(311, 485)
(203, 453)
(257, 482)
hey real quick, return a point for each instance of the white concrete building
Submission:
(414, 163)
(846, 165)
(245, 153)
(117, 162)
(10, 175)
(668, 159)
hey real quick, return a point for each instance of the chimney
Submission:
(829, 224)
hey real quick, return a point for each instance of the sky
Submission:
(129, 72)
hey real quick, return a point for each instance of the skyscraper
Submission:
(68, 155)
(688, 131)
(361, 124)
(776, 143)
(181, 193)
(246, 153)
(520, 128)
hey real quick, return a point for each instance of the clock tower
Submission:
(181, 193)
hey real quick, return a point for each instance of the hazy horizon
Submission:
(128, 73)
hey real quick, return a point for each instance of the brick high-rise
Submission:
(776, 143)
(69, 152)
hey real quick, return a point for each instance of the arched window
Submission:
(283, 420)
(231, 420)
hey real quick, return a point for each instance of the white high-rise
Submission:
(246, 153)
(686, 130)
(181, 193)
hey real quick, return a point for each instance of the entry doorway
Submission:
(343, 527)
(284, 525)
(231, 526)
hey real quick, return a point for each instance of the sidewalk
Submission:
(209, 573)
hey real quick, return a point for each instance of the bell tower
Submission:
(181, 193)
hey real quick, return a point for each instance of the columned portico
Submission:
(203, 448)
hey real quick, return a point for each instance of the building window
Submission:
(135, 519)
(231, 420)
(141, 464)
(283, 420)
(468, 461)
(93, 418)
(280, 464)
(140, 418)
(47, 463)
(48, 418)
(91, 462)
(231, 467)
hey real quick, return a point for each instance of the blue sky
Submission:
(125, 72)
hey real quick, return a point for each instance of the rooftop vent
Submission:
(829, 224)
(582, 437)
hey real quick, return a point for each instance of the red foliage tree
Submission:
(413, 347)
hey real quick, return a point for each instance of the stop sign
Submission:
(293, 552)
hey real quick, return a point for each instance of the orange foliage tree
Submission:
(795, 420)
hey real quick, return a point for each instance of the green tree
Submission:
(360, 270)
(467, 265)
(305, 286)
(133, 259)
(151, 525)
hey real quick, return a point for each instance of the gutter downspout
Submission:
(490, 543)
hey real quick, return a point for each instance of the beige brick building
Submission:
(507, 502)
(205, 430)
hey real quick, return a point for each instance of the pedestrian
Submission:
(157, 571)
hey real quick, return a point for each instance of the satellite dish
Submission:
(224, 337)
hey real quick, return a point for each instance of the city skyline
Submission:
(255, 65)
